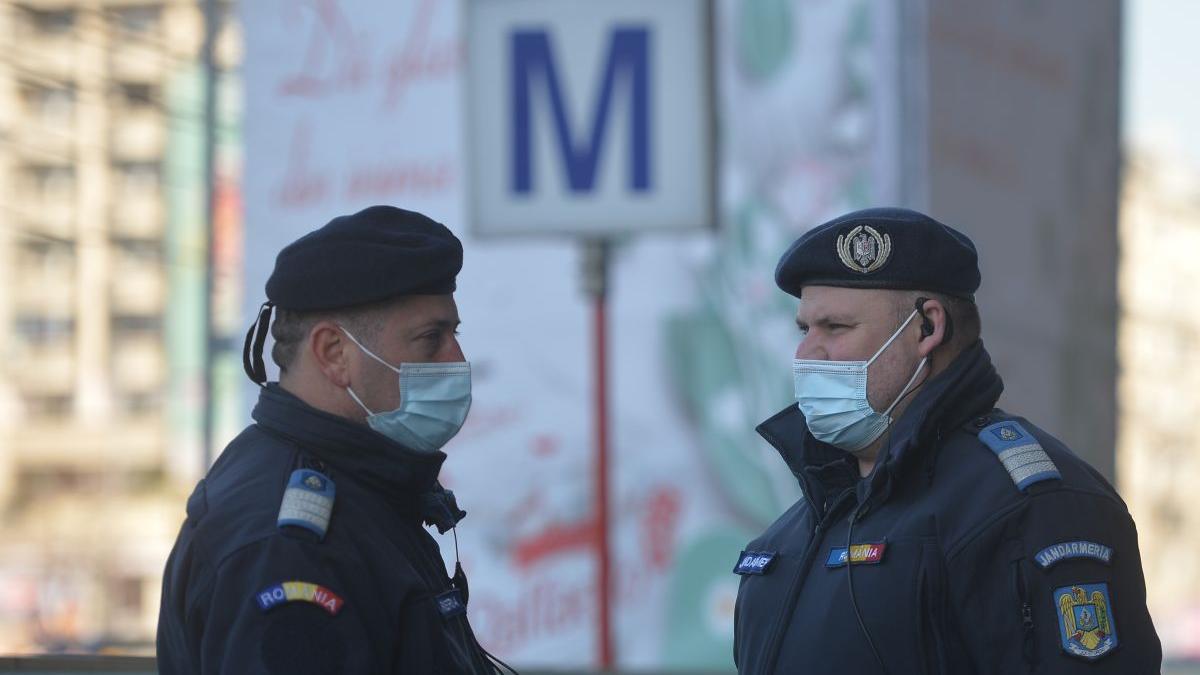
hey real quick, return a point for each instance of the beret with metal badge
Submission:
(890, 248)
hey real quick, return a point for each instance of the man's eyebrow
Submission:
(437, 323)
(827, 319)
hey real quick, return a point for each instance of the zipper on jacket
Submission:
(931, 619)
(1027, 636)
(775, 643)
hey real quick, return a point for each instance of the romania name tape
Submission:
(299, 591)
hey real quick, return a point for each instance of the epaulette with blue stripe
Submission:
(1025, 459)
(307, 501)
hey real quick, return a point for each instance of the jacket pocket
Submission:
(1023, 604)
(932, 612)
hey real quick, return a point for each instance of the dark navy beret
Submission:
(882, 248)
(378, 253)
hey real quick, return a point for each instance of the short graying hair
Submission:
(291, 328)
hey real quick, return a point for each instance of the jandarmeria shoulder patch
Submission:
(1052, 555)
(1021, 454)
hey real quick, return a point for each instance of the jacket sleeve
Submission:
(1053, 584)
(284, 605)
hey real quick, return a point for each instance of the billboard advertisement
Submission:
(351, 103)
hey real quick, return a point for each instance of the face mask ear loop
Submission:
(904, 392)
(893, 338)
(366, 351)
(358, 401)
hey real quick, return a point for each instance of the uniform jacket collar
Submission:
(405, 476)
(969, 387)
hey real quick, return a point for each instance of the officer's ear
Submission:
(935, 325)
(330, 351)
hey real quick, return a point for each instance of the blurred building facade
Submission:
(1159, 349)
(88, 509)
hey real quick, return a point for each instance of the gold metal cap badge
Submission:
(864, 249)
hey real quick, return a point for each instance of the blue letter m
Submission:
(628, 52)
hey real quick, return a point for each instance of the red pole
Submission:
(602, 527)
(598, 273)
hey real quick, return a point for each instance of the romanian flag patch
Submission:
(858, 554)
(299, 591)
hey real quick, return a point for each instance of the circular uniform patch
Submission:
(863, 249)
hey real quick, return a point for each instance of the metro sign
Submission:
(628, 55)
(589, 117)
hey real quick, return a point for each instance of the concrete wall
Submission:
(1013, 112)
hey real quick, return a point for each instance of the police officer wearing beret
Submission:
(936, 533)
(303, 550)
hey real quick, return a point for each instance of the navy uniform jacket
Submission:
(243, 595)
(961, 564)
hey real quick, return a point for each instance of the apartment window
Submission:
(46, 257)
(54, 105)
(137, 21)
(52, 183)
(43, 329)
(137, 95)
(56, 405)
(51, 22)
(139, 178)
(131, 326)
(140, 403)
(139, 252)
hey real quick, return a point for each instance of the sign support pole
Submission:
(595, 272)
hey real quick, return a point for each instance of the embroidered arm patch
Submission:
(299, 591)
(1052, 555)
(858, 554)
(1086, 625)
(1020, 453)
(754, 562)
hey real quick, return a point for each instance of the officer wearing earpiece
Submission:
(303, 550)
(936, 533)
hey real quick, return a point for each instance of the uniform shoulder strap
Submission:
(307, 501)
(1020, 452)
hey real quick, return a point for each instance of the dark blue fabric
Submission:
(958, 590)
(924, 255)
(378, 253)
(375, 556)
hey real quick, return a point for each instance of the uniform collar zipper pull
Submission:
(460, 577)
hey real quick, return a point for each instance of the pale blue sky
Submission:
(1162, 76)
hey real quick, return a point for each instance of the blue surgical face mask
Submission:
(434, 401)
(833, 397)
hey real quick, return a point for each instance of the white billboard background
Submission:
(352, 103)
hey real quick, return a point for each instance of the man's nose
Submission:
(811, 349)
(454, 352)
